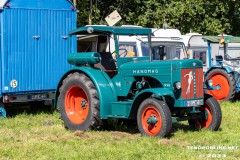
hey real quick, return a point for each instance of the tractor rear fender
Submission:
(228, 69)
(158, 93)
(103, 84)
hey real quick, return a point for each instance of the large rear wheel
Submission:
(211, 115)
(78, 103)
(154, 118)
(225, 83)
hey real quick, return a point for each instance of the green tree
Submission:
(206, 17)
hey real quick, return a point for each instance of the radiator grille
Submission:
(199, 83)
(192, 83)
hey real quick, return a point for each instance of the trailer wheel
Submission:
(225, 83)
(211, 115)
(78, 103)
(154, 118)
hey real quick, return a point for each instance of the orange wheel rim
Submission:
(151, 120)
(76, 104)
(207, 119)
(220, 81)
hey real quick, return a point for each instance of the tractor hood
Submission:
(156, 67)
(165, 74)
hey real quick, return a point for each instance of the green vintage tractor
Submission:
(117, 84)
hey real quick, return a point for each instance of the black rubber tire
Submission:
(93, 119)
(231, 82)
(216, 114)
(164, 112)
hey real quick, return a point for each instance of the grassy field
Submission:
(41, 135)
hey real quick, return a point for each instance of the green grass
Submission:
(42, 136)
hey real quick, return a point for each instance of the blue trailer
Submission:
(34, 45)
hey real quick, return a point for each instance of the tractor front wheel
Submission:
(211, 115)
(225, 84)
(78, 103)
(154, 118)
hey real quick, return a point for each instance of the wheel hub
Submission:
(218, 87)
(152, 120)
(84, 104)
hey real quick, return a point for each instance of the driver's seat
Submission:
(108, 63)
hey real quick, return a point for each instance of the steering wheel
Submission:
(123, 54)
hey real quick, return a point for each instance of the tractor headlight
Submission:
(209, 82)
(177, 85)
